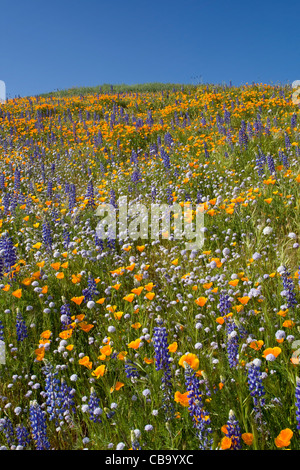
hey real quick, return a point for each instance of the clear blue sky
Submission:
(50, 45)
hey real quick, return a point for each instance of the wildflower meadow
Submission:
(131, 341)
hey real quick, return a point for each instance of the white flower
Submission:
(270, 357)
(267, 230)
(292, 235)
(256, 362)
(90, 304)
(280, 334)
(148, 427)
(120, 446)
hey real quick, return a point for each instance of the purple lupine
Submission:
(224, 304)
(90, 194)
(297, 395)
(23, 436)
(259, 165)
(72, 197)
(131, 370)
(232, 344)
(168, 139)
(2, 181)
(66, 400)
(17, 179)
(287, 141)
(8, 251)
(47, 236)
(66, 237)
(166, 159)
(1, 331)
(94, 409)
(294, 121)
(288, 286)
(200, 417)
(49, 189)
(136, 176)
(51, 393)
(285, 160)
(65, 315)
(91, 290)
(206, 153)
(162, 362)
(234, 431)
(8, 430)
(169, 195)
(271, 165)
(112, 201)
(255, 384)
(21, 327)
(38, 425)
(243, 137)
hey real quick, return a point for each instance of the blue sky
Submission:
(47, 46)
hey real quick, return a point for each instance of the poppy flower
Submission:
(274, 351)
(182, 398)
(118, 315)
(77, 300)
(137, 290)
(201, 301)
(226, 443)
(134, 344)
(85, 361)
(55, 266)
(66, 334)
(284, 438)
(244, 300)
(191, 359)
(173, 347)
(85, 326)
(17, 293)
(247, 438)
(149, 286)
(46, 334)
(99, 372)
(40, 354)
(129, 297)
(150, 295)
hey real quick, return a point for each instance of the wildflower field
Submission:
(140, 343)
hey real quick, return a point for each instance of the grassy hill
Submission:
(138, 339)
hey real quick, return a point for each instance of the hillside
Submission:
(130, 336)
